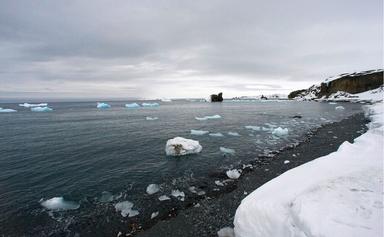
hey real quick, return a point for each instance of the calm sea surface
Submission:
(96, 158)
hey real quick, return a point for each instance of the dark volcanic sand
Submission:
(217, 211)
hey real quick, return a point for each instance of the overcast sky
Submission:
(149, 49)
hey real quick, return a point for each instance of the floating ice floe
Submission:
(233, 174)
(41, 109)
(198, 132)
(208, 117)
(193, 189)
(107, 197)
(101, 105)
(226, 232)
(164, 198)
(280, 131)
(255, 128)
(286, 162)
(153, 188)
(59, 204)
(151, 118)
(219, 183)
(132, 105)
(332, 103)
(126, 209)
(7, 110)
(180, 146)
(154, 214)
(227, 150)
(150, 104)
(27, 105)
(339, 107)
(235, 134)
(217, 134)
(178, 194)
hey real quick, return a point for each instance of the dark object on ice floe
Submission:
(217, 98)
(263, 97)
(297, 116)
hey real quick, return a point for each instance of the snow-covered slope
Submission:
(372, 95)
(340, 194)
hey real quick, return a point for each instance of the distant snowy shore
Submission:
(340, 194)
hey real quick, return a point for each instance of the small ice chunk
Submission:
(219, 183)
(125, 208)
(27, 105)
(208, 117)
(286, 162)
(7, 110)
(41, 109)
(254, 128)
(59, 204)
(101, 105)
(153, 188)
(227, 150)
(132, 105)
(332, 103)
(339, 107)
(150, 104)
(226, 232)
(151, 118)
(106, 197)
(178, 194)
(180, 146)
(233, 174)
(166, 100)
(235, 134)
(217, 134)
(163, 198)
(280, 131)
(154, 214)
(198, 132)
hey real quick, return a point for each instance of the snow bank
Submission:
(103, 105)
(126, 209)
(153, 188)
(59, 204)
(233, 174)
(280, 131)
(208, 117)
(227, 150)
(27, 105)
(150, 104)
(340, 194)
(7, 110)
(180, 146)
(132, 105)
(198, 132)
(41, 109)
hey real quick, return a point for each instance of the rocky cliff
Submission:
(351, 83)
(217, 98)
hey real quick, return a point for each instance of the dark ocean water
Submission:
(97, 158)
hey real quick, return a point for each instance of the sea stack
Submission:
(217, 98)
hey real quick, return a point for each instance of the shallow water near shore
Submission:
(96, 158)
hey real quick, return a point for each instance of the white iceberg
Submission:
(101, 105)
(27, 105)
(235, 134)
(233, 174)
(125, 208)
(132, 105)
(227, 150)
(339, 107)
(180, 146)
(198, 132)
(41, 109)
(208, 117)
(151, 118)
(340, 194)
(59, 204)
(217, 134)
(150, 104)
(280, 131)
(164, 198)
(153, 188)
(7, 110)
(178, 194)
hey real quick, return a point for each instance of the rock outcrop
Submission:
(217, 98)
(352, 83)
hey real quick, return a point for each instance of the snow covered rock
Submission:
(7, 110)
(59, 204)
(280, 131)
(153, 188)
(180, 146)
(233, 174)
(41, 109)
(103, 105)
(132, 105)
